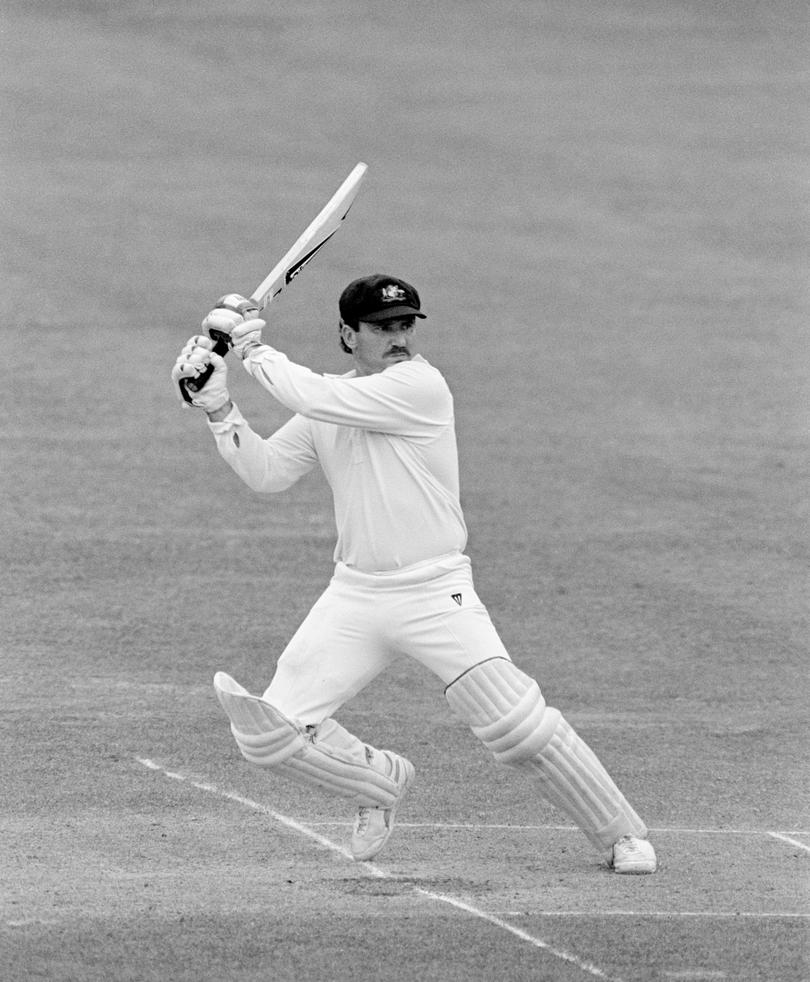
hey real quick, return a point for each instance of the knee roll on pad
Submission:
(264, 735)
(504, 708)
(327, 755)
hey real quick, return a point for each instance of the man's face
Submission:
(377, 346)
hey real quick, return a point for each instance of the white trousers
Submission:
(364, 621)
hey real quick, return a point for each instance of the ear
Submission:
(348, 335)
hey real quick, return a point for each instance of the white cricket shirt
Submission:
(386, 443)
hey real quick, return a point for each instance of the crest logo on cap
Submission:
(393, 293)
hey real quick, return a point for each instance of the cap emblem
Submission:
(393, 293)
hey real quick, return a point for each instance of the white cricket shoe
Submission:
(374, 825)
(633, 855)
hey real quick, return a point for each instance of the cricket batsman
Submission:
(384, 436)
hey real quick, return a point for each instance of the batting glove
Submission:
(193, 361)
(234, 321)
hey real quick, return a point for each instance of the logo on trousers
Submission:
(457, 598)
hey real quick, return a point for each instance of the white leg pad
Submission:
(327, 755)
(506, 711)
(264, 735)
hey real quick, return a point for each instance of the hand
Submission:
(193, 360)
(234, 320)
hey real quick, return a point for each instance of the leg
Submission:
(507, 712)
(448, 630)
(326, 755)
(332, 656)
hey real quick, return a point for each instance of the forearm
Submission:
(297, 388)
(265, 465)
(411, 398)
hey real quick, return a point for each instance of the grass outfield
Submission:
(603, 207)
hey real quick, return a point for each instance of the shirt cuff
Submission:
(231, 421)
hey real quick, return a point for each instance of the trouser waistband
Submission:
(423, 572)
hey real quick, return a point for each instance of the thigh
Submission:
(334, 654)
(448, 629)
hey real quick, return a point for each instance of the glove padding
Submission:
(234, 321)
(193, 360)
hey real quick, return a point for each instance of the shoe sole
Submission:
(637, 870)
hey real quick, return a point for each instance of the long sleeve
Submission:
(409, 399)
(271, 464)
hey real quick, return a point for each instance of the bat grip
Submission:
(221, 347)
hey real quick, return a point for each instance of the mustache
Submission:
(398, 349)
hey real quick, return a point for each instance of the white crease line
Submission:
(31, 922)
(375, 871)
(696, 973)
(284, 820)
(572, 828)
(790, 841)
(730, 914)
(588, 967)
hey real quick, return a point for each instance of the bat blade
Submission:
(314, 237)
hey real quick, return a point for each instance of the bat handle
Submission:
(221, 347)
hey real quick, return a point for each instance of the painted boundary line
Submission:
(375, 871)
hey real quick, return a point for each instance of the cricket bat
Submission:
(314, 237)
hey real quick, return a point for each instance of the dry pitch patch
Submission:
(226, 874)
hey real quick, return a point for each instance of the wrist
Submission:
(217, 415)
(249, 347)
